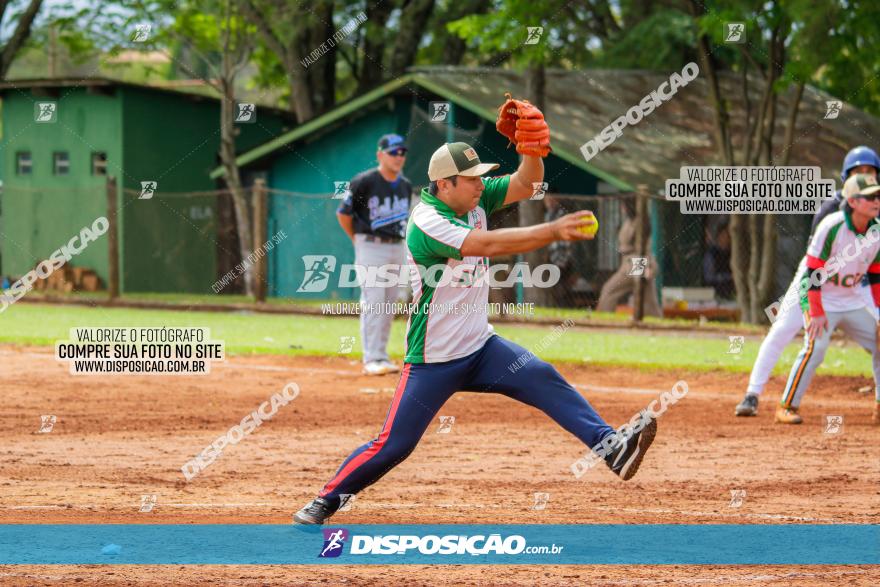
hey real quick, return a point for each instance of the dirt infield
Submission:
(118, 438)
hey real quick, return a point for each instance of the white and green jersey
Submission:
(450, 319)
(846, 256)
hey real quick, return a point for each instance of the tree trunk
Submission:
(228, 132)
(531, 212)
(374, 45)
(413, 19)
(790, 126)
(739, 257)
(19, 36)
(291, 50)
(322, 75)
(300, 98)
(233, 181)
(454, 47)
(752, 239)
(722, 118)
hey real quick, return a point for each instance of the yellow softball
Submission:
(590, 229)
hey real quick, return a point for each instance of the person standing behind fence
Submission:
(622, 282)
(374, 216)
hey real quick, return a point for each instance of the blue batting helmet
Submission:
(859, 156)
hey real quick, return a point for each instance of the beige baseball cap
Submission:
(457, 159)
(860, 184)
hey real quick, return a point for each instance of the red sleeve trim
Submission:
(814, 294)
(817, 263)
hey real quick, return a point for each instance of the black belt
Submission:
(372, 238)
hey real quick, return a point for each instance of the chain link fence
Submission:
(685, 266)
(190, 240)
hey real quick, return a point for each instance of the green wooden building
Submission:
(307, 161)
(305, 164)
(55, 172)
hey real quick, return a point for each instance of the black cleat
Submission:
(749, 406)
(628, 453)
(316, 511)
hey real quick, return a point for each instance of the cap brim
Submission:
(870, 190)
(481, 169)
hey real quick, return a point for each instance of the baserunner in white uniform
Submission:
(789, 319)
(844, 247)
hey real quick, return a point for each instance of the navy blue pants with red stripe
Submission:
(499, 367)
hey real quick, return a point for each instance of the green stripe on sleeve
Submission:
(829, 241)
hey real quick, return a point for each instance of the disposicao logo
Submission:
(334, 540)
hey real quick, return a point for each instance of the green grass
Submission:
(190, 299)
(246, 333)
(552, 313)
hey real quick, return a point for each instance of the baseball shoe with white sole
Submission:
(628, 453)
(748, 406)
(315, 512)
(389, 366)
(375, 368)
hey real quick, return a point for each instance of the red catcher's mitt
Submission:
(524, 126)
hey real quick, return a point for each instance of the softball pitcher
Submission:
(448, 350)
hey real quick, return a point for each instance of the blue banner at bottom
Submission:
(494, 544)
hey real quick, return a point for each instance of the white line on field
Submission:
(214, 505)
(229, 364)
(642, 391)
(129, 505)
(366, 505)
(461, 506)
(584, 386)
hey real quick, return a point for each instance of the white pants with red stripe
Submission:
(860, 325)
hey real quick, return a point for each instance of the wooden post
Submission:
(260, 221)
(643, 229)
(112, 239)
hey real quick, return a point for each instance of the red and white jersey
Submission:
(839, 257)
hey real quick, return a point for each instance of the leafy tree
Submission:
(21, 21)
(531, 36)
(217, 43)
(785, 48)
(383, 40)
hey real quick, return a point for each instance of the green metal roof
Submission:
(426, 81)
(579, 104)
(316, 123)
(195, 93)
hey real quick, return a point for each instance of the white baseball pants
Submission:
(784, 329)
(376, 317)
